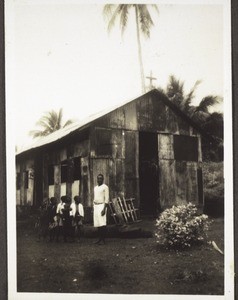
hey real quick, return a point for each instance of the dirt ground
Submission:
(122, 266)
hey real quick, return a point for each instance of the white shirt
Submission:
(80, 209)
(60, 206)
(101, 194)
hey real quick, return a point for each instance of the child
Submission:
(67, 224)
(77, 214)
(53, 221)
(59, 214)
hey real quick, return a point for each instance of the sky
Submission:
(59, 54)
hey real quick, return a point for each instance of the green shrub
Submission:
(213, 180)
(181, 226)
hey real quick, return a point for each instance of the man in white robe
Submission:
(100, 203)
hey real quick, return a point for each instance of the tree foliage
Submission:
(211, 122)
(50, 122)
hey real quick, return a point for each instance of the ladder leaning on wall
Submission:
(123, 210)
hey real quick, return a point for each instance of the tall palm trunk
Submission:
(140, 52)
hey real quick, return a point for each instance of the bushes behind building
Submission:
(213, 188)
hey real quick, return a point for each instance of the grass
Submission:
(122, 266)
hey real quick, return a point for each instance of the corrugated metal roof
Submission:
(59, 134)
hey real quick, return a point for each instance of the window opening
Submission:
(185, 148)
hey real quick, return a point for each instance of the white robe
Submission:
(101, 197)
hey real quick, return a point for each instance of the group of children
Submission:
(64, 219)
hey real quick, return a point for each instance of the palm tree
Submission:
(50, 122)
(175, 92)
(214, 124)
(211, 122)
(144, 23)
(201, 112)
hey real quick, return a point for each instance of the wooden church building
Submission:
(146, 148)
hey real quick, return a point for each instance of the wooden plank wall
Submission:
(131, 122)
(30, 190)
(120, 166)
(183, 127)
(81, 149)
(22, 190)
(145, 115)
(46, 162)
(192, 182)
(55, 157)
(85, 182)
(98, 166)
(18, 191)
(124, 117)
(167, 183)
(154, 115)
(178, 179)
(25, 195)
(57, 181)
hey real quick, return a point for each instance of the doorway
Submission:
(148, 172)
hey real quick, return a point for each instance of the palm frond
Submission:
(214, 124)
(108, 10)
(59, 118)
(206, 103)
(175, 87)
(190, 95)
(200, 116)
(68, 123)
(113, 11)
(155, 6)
(145, 20)
(44, 124)
(124, 17)
(114, 16)
(214, 119)
(38, 133)
(51, 121)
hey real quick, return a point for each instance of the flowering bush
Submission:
(181, 226)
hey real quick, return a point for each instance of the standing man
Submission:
(101, 199)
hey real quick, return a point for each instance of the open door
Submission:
(148, 172)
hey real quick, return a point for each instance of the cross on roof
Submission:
(151, 78)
